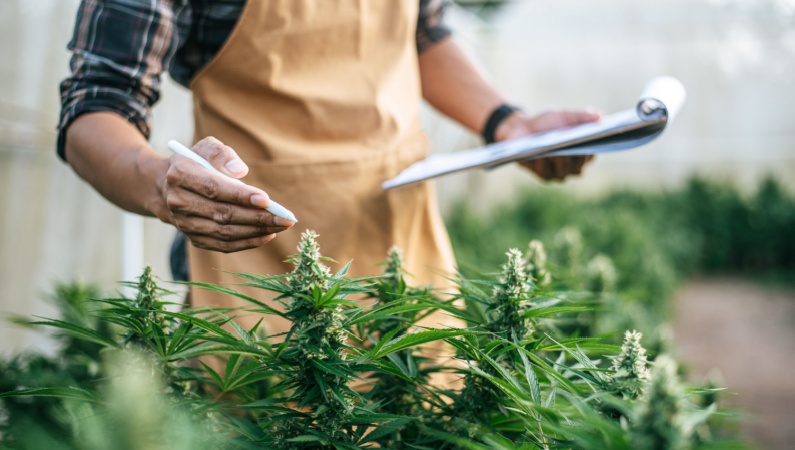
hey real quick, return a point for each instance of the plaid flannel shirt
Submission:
(121, 47)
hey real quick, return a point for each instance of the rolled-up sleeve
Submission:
(120, 48)
(430, 25)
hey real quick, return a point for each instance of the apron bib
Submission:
(321, 98)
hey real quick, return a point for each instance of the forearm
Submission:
(114, 157)
(454, 86)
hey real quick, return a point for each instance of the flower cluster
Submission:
(630, 375)
(510, 299)
(536, 261)
(309, 271)
(660, 422)
(319, 334)
(146, 308)
(147, 291)
(394, 272)
(318, 330)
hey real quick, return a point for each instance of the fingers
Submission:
(189, 204)
(215, 212)
(567, 165)
(542, 167)
(227, 228)
(221, 226)
(209, 243)
(560, 168)
(199, 226)
(221, 156)
(569, 118)
(186, 174)
(557, 168)
(557, 119)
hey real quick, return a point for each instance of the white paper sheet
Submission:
(660, 101)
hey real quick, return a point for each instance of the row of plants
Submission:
(708, 226)
(654, 240)
(355, 370)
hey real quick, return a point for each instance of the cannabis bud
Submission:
(660, 419)
(536, 261)
(630, 375)
(510, 299)
(393, 274)
(309, 271)
(514, 281)
(147, 290)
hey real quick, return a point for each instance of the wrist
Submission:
(498, 121)
(140, 181)
(156, 205)
(514, 125)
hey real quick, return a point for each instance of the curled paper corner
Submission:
(669, 91)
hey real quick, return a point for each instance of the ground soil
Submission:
(745, 333)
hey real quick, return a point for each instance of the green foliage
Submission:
(666, 420)
(352, 372)
(741, 233)
(654, 240)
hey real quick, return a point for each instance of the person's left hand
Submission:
(519, 124)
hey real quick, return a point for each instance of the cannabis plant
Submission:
(352, 372)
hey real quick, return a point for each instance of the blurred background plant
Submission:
(655, 241)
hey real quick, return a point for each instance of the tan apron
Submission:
(321, 98)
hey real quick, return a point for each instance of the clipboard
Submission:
(659, 103)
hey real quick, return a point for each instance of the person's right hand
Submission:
(216, 213)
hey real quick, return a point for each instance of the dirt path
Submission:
(746, 333)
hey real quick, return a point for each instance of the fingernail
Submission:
(259, 200)
(236, 167)
(280, 222)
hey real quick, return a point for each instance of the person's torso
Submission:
(203, 28)
(322, 98)
(313, 80)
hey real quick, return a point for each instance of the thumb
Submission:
(221, 156)
(551, 120)
(569, 118)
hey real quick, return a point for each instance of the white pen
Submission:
(274, 208)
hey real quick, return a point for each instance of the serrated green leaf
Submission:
(325, 366)
(232, 292)
(413, 339)
(78, 331)
(344, 270)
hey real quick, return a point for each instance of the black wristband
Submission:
(495, 119)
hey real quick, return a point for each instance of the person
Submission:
(313, 103)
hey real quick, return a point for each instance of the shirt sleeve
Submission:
(430, 25)
(120, 48)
